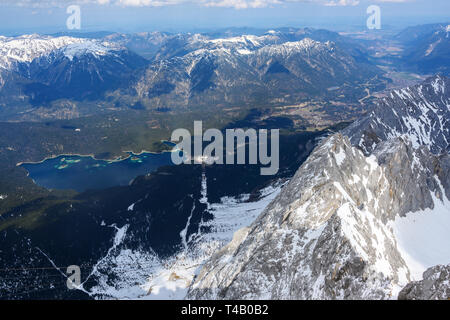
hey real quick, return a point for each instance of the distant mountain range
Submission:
(157, 69)
(269, 71)
(41, 69)
(182, 70)
(427, 48)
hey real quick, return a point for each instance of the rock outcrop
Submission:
(434, 286)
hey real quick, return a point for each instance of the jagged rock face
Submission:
(335, 231)
(434, 286)
(327, 235)
(421, 112)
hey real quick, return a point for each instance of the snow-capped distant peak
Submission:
(93, 47)
(244, 39)
(26, 48)
(304, 45)
(242, 42)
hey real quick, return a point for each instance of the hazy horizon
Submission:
(21, 17)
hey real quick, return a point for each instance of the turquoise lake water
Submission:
(82, 173)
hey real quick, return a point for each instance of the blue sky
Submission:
(46, 16)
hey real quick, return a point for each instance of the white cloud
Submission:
(237, 4)
(333, 3)
(142, 3)
(240, 4)
(65, 3)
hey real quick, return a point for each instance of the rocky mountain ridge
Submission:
(352, 223)
(418, 112)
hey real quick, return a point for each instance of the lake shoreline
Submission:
(91, 155)
(83, 172)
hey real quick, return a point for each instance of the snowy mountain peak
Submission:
(244, 39)
(73, 68)
(93, 47)
(25, 49)
(304, 45)
(239, 43)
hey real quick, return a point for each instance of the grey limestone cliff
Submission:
(337, 230)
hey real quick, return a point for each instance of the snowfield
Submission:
(423, 237)
(142, 275)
